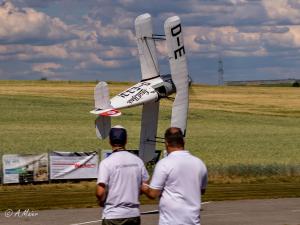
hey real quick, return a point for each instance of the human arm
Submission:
(145, 178)
(204, 180)
(150, 192)
(102, 184)
(101, 194)
(157, 183)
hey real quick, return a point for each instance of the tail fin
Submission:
(102, 101)
(101, 96)
(179, 71)
(102, 107)
(146, 46)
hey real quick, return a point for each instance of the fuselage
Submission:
(145, 91)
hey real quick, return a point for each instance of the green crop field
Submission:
(237, 131)
(248, 136)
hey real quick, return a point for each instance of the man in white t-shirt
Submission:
(120, 177)
(179, 179)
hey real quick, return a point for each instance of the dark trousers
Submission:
(123, 221)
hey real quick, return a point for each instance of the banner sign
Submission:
(73, 165)
(24, 168)
(105, 154)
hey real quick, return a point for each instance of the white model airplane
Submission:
(152, 87)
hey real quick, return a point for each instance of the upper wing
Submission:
(179, 71)
(146, 46)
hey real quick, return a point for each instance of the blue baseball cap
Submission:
(118, 135)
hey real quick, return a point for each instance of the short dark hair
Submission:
(117, 136)
(174, 137)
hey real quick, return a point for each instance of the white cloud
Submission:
(30, 26)
(283, 10)
(103, 39)
(113, 32)
(47, 69)
(244, 41)
(93, 60)
(227, 40)
(45, 66)
(54, 51)
(116, 52)
(295, 32)
(29, 52)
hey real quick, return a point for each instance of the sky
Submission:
(95, 39)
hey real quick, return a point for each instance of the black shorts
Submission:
(123, 221)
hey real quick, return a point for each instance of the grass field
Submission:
(248, 137)
(235, 130)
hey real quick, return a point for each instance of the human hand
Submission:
(144, 188)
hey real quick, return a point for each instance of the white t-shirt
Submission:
(122, 173)
(180, 176)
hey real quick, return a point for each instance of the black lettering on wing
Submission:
(179, 51)
(176, 30)
(123, 95)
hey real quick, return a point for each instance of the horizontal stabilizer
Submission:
(106, 112)
(102, 124)
(179, 71)
(111, 112)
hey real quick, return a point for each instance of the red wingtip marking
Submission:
(112, 112)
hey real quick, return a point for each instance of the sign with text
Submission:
(25, 168)
(73, 165)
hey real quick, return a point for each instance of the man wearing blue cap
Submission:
(120, 177)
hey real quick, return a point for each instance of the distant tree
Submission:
(44, 78)
(296, 84)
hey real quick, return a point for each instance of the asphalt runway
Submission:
(243, 212)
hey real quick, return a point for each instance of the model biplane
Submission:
(152, 87)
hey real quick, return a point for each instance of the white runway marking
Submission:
(203, 203)
(150, 212)
(95, 221)
(222, 214)
(142, 213)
